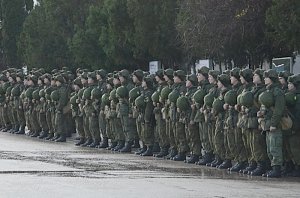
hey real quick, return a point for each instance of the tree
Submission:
(283, 19)
(12, 17)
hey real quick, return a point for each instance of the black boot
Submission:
(50, 136)
(43, 134)
(112, 145)
(87, 142)
(274, 173)
(127, 147)
(179, 157)
(21, 131)
(163, 152)
(172, 153)
(136, 144)
(119, 146)
(36, 134)
(193, 159)
(141, 150)
(148, 152)
(260, 169)
(156, 148)
(81, 141)
(94, 144)
(212, 162)
(62, 138)
(207, 158)
(238, 166)
(295, 172)
(104, 143)
(288, 168)
(225, 165)
(218, 162)
(249, 168)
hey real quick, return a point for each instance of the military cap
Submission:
(247, 74)
(33, 78)
(204, 71)
(192, 78)
(294, 79)
(169, 72)
(235, 72)
(259, 72)
(160, 74)
(284, 74)
(180, 74)
(92, 75)
(60, 78)
(124, 73)
(214, 73)
(102, 73)
(149, 81)
(84, 75)
(224, 79)
(272, 74)
(139, 74)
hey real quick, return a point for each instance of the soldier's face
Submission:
(177, 79)
(200, 77)
(18, 79)
(233, 80)
(10, 79)
(122, 79)
(166, 78)
(46, 81)
(144, 85)
(256, 79)
(268, 81)
(98, 77)
(188, 83)
(220, 85)
(243, 81)
(58, 83)
(116, 81)
(282, 81)
(53, 82)
(291, 87)
(211, 79)
(108, 86)
(30, 82)
(157, 79)
(135, 79)
(90, 81)
(39, 82)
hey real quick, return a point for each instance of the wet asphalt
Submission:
(30, 167)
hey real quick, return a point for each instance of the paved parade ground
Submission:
(33, 168)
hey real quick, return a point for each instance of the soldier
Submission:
(233, 139)
(160, 122)
(145, 116)
(76, 113)
(207, 111)
(246, 76)
(92, 109)
(219, 112)
(270, 114)
(128, 123)
(191, 127)
(179, 89)
(108, 113)
(115, 124)
(257, 139)
(293, 105)
(101, 78)
(137, 78)
(203, 89)
(59, 109)
(283, 79)
(170, 126)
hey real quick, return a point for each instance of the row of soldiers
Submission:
(208, 118)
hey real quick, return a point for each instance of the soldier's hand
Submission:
(192, 122)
